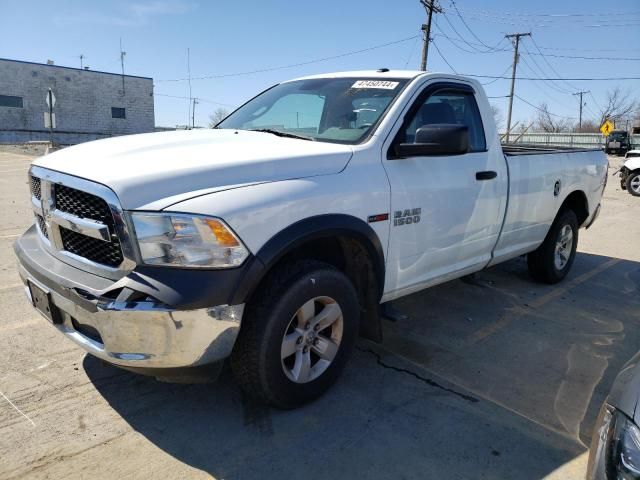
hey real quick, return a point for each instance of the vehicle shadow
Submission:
(491, 376)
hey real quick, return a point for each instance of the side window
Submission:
(449, 106)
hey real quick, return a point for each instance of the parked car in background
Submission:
(618, 142)
(615, 446)
(630, 173)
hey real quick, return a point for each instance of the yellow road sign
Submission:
(606, 128)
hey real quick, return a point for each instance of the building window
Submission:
(10, 101)
(117, 112)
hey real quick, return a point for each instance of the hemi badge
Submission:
(381, 217)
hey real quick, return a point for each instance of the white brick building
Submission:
(89, 104)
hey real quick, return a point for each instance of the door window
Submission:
(447, 106)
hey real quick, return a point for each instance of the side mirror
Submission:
(436, 139)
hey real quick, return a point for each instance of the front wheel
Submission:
(297, 334)
(633, 183)
(551, 262)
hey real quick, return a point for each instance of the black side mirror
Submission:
(436, 139)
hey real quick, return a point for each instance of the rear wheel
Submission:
(633, 183)
(551, 262)
(297, 334)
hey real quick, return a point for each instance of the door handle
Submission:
(488, 175)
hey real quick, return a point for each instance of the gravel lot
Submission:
(491, 376)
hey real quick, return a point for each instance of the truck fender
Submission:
(308, 229)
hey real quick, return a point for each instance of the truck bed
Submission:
(512, 149)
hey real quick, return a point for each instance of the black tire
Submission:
(256, 359)
(633, 176)
(542, 262)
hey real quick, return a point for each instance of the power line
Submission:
(545, 87)
(453, 3)
(600, 79)
(455, 30)
(497, 78)
(539, 54)
(442, 56)
(543, 74)
(558, 15)
(549, 24)
(454, 42)
(413, 47)
(206, 100)
(542, 110)
(535, 44)
(293, 65)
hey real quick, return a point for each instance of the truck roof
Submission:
(382, 73)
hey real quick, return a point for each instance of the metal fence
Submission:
(580, 140)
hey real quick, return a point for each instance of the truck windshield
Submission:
(339, 110)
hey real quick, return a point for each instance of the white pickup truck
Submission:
(275, 238)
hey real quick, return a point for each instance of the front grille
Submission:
(105, 253)
(85, 205)
(43, 226)
(35, 187)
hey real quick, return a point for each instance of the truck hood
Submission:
(154, 170)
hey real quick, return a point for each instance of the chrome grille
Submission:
(35, 187)
(82, 204)
(43, 226)
(106, 253)
(85, 205)
(82, 222)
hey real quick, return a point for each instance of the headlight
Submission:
(180, 240)
(615, 449)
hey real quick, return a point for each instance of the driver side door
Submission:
(446, 209)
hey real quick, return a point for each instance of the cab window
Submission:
(453, 107)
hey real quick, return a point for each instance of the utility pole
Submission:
(81, 58)
(122, 54)
(189, 76)
(581, 105)
(516, 43)
(430, 6)
(193, 113)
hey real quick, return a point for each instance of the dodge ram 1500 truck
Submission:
(274, 238)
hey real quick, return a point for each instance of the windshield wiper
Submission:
(282, 134)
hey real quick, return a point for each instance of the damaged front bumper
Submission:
(126, 326)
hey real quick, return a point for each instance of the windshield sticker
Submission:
(375, 84)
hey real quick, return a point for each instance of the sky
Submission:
(226, 39)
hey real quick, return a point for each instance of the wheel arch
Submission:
(578, 202)
(344, 241)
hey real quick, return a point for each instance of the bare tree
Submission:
(588, 126)
(620, 107)
(217, 116)
(550, 123)
(497, 117)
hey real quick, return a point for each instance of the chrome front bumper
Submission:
(144, 335)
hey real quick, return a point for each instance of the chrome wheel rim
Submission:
(312, 339)
(564, 245)
(635, 184)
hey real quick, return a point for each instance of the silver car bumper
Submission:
(145, 335)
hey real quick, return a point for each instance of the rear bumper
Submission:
(145, 335)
